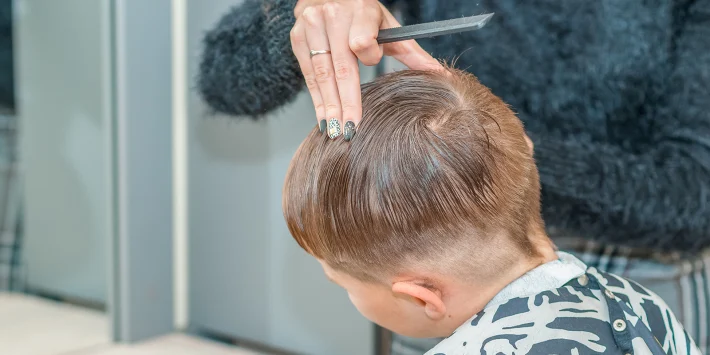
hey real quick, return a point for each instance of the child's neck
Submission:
(476, 297)
(544, 246)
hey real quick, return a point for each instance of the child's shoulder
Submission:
(594, 313)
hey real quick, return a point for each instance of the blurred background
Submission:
(132, 219)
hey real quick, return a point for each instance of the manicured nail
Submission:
(349, 130)
(322, 125)
(333, 128)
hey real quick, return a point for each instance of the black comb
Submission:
(432, 29)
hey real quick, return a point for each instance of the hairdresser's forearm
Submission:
(247, 67)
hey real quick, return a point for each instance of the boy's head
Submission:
(429, 211)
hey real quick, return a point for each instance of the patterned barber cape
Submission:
(565, 308)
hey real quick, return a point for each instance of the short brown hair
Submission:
(438, 172)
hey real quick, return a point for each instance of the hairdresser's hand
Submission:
(348, 28)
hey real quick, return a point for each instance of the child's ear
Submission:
(428, 297)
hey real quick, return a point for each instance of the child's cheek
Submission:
(362, 307)
(375, 310)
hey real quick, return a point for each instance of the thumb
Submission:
(409, 52)
(413, 56)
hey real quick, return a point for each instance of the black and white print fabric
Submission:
(595, 313)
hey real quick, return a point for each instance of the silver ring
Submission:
(323, 51)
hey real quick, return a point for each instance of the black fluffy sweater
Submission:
(615, 95)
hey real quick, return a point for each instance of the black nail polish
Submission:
(333, 128)
(322, 125)
(349, 130)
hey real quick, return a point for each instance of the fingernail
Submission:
(349, 130)
(322, 125)
(333, 128)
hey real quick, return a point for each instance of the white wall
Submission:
(64, 109)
